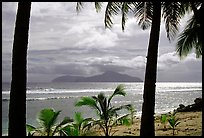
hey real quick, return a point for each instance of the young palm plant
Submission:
(163, 120)
(47, 119)
(173, 121)
(108, 114)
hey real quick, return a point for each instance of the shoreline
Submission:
(191, 125)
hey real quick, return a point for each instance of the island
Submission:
(109, 76)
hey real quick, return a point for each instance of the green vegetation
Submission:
(148, 15)
(191, 37)
(79, 126)
(132, 112)
(108, 114)
(173, 121)
(68, 127)
(164, 120)
(47, 120)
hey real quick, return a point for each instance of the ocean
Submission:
(62, 96)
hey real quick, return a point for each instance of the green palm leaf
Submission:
(112, 8)
(70, 130)
(78, 117)
(189, 39)
(61, 125)
(98, 6)
(47, 118)
(143, 13)
(79, 6)
(126, 6)
(172, 13)
(89, 101)
(30, 129)
(120, 90)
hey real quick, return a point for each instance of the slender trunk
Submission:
(147, 119)
(106, 125)
(17, 105)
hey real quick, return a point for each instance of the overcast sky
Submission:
(62, 42)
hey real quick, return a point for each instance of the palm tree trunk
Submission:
(17, 105)
(106, 128)
(147, 119)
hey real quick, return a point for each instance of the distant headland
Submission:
(108, 76)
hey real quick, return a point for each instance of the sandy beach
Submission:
(191, 125)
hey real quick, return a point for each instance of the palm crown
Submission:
(106, 112)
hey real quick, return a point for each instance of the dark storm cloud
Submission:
(182, 70)
(105, 67)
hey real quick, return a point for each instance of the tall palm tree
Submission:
(191, 37)
(148, 14)
(17, 104)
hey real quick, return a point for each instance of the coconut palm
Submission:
(148, 14)
(191, 37)
(108, 114)
(17, 104)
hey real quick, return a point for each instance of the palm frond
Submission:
(120, 90)
(177, 123)
(47, 117)
(189, 39)
(89, 101)
(30, 129)
(120, 119)
(126, 6)
(78, 117)
(143, 12)
(54, 119)
(87, 122)
(172, 14)
(112, 8)
(62, 124)
(98, 6)
(79, 6)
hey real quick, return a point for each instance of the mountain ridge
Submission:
(108, 76)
